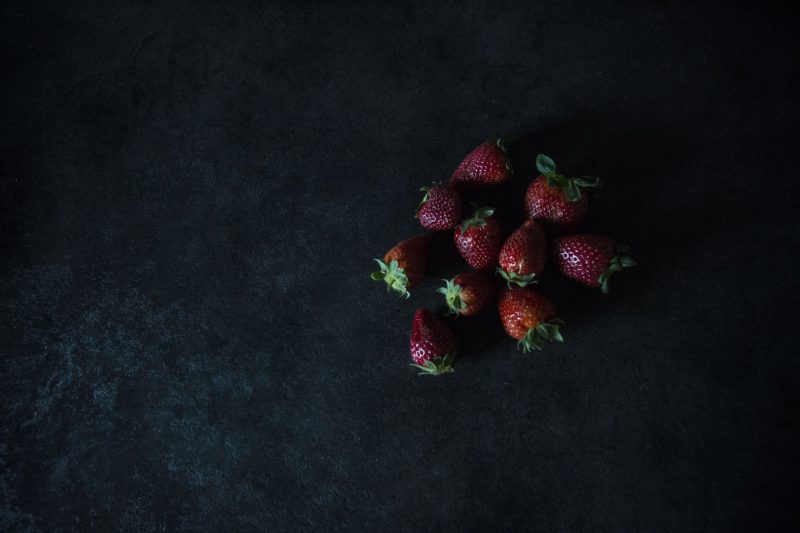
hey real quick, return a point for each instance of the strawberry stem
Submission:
(502, 145)
(452, 295)
(617, 263)
(478, 218)
(519, 279)
(394, 277)
(427, 190)
(545, 332)
(436, 366)
(571, 186)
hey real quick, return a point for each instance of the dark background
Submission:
(192, 195)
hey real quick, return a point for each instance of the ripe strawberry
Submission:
(467, 293)
(529, 317)
(485, 166)
(440, 208)
(555, 200)
(523, 255)
(433, 345)
(478, 239)
(403, 266)
(591, 259)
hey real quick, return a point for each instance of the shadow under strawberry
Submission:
(574, 302)
(480, 333)
(444, 260)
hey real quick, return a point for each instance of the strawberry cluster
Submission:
(555, 206)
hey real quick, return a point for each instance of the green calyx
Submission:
(437, 365)
(545, 332)
(394, 277)
(478, 218)
(571, 186)
(518, 279)
(502, 145)
(617, 263)
(427, 191)
(452, 295)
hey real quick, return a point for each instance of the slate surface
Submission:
(191, 197)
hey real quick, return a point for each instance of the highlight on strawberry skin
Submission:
(591, 259)
(433, 344)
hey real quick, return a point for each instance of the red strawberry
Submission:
(529, 317)
(478, 239)
(555, 200)
(523, 255)
(403, 266)
(591, 259)
(433, 345)
(467, 293)
(485, 166)
(440, 208)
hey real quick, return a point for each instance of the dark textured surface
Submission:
(191, 198)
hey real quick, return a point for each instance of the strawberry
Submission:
(486, 166)
(467, 293)
(590, 259)
(433, 345)
(555, 200)
(529, 317)
(478, 239)
(523, 255)
(403, 266)
(440, 208)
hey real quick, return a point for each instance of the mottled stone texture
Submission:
(191, 196)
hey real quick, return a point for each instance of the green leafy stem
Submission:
(617, 263)
(452, 295)
(437, 365)
(478, 218)
(518, 279)
(545, 332)
(571, 186)
(394, 276)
